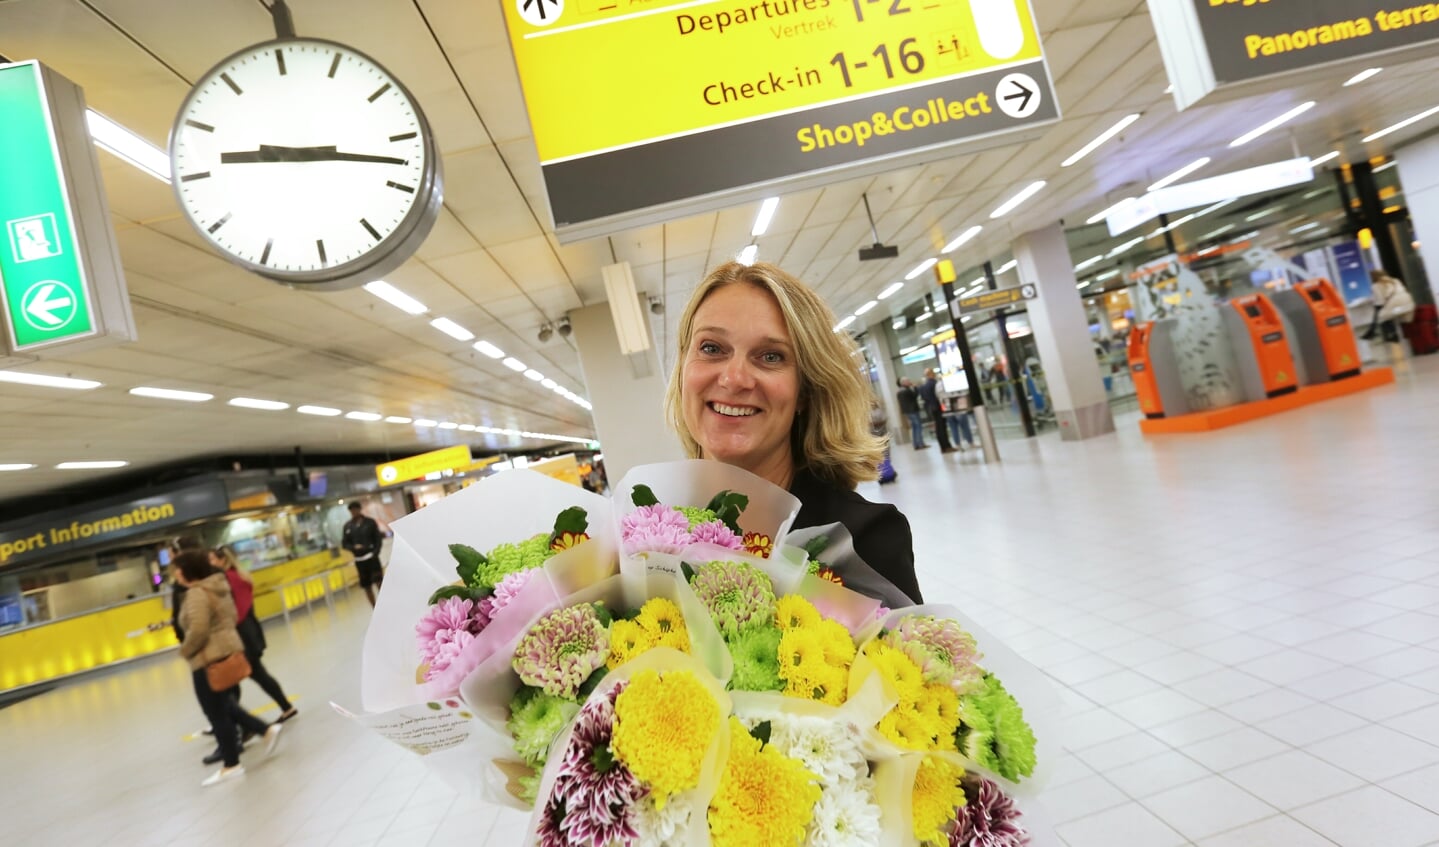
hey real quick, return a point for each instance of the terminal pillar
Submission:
(1061, 332)
(627, 392)
(1419, 175)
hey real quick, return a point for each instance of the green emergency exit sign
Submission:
(46, 295)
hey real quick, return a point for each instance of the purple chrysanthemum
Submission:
(600, 792)
(655, 529)
(442, 621)
(716, 533)
(506, 591)
(988, 818)
(561, 651)
(943, 650)
(548, 832)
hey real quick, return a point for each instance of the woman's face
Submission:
(740, 382)
(217, 560)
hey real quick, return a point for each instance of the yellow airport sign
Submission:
(417, 467)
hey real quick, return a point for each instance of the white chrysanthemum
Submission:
(846, 816)
(827, 748)
(661, 827)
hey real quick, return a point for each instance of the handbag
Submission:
(227, 673)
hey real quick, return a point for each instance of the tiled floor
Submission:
(1243, 626)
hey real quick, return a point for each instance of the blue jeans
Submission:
(959, 422)
(916, 429)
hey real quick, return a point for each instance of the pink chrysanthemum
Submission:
(507, 590)
(442, 621)
(943, 650)
(987, 819)
(447, 649)
(655, 529)
(716, 533)
(560, 652)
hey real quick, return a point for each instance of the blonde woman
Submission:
(763, 382)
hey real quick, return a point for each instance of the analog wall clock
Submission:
(306, 162)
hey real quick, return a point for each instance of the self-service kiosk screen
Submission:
(1316, 295)
(1252, 311)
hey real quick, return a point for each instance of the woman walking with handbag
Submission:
(217, 659)
(242, 589)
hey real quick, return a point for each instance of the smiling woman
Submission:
(763, 382)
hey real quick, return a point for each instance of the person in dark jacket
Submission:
(909, 407)
(929, 392)
(762, 382)
(362, 537)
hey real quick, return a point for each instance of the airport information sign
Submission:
(417, 467)
(988, 301)
(640, 103)
(44, 289)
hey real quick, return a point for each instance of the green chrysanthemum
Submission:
(696, 515)
(535, 719)
(506, 559)
(530, 788)
(756, 660)
(739, 596)
(994, 733)
(975, 737)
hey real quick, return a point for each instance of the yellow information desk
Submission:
(138, 628)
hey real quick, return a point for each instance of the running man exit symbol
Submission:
(33, 238)
(538, 13)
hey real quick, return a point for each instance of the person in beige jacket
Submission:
(207, 617)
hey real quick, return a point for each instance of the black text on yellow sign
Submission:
(689, 67)
(417, 467)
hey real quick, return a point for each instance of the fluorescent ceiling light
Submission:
(321, 411)
(1277, 122)
(467, 427)
(1181, 173)
(362, 416)
(1119, 127)
(1361, 76)
(1261, 214)
(515, 364)
(252, 403)
(747, 255)
(844, 323)
(395, 297)
(1220, 231)
(448, 425)
(549, 383)
(1304, 228)
(1084, 284)
(973, 290)
(452, 329)
(1013, 203)
(128, 146)
(15, 466)
(866, 307)
(1007, 267)
(1088, 263)
(1124, 248)
(1406, 122)
(46, 381)
(890, 289)
(489, 349)
(963, 239)
(91, 466)
(1216, 207)
(929, 334)
(966, 319)
(906, 351)
(171, 394)
(1314, 163)
(399, 419)
(924, 317)
(898, 324)
(1104, 214)
(426, 422)
(1107, 275)
(766, 214)
(531, 373)
(921, 268)
(1386, 166)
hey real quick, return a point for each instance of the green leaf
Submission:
(761, 731)
(592, 683)
(643, 496)
(816, 545)
(603, 613)
(468, 562)
(727, 506)
(688, 570)
(573, 520)
(449, 591)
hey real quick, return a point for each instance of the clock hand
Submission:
(274, 153)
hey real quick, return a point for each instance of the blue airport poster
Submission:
(1353, 274)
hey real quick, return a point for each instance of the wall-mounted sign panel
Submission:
(60, 279)
(1211, 44)
(988, 301)
(417, 467)
(659, 104)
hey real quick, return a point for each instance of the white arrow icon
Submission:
(42, 308)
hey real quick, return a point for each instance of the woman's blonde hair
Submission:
(831, 433)
(227, 554)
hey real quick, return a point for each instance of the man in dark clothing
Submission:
(363, 539)
(909, 407)
(930, 393)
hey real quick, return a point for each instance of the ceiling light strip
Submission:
(1119, 127)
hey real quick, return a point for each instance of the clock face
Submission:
(305, 161)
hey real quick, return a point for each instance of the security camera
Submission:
(564, 328)
(657, 307)
(546, 332)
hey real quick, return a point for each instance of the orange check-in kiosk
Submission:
(1331, 323)
(1155, 370)
(1261, 344)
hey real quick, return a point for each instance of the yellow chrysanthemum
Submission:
(663, 726)
(627, 640)
(764, 797)
(937, 794)
(838, 644)
(566, 540)
(660, 616)
(801, 654)
(678, 639)
(939, 706)
(897, 670)
(793, 611)
(905, 726)
(827, 685)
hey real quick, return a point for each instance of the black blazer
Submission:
(881, 532)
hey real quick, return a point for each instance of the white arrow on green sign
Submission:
(43, 285)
